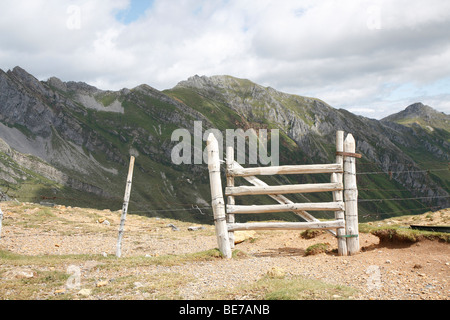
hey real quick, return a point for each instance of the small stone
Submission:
(60, 291)
(196, 228)
(102, 283)
(388, 261)
(276, 272)
(22, 274)
(174, 228)
(241, 236)
(85, 292)
(417, 266)
(103, 221)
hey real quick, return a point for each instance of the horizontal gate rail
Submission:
(297, 169)
(286, 225)
(319, 206)
(284, 189)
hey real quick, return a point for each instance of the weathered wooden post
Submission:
(218, 203)
(1, 221)
(338, 195)
(125, 207)
(351, 196)
(230, 199)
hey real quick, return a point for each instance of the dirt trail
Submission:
(396, 271)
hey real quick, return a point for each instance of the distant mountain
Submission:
(70, 143)
(421, 115)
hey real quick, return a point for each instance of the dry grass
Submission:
(287, 287)
(46, 277)
(137, 276)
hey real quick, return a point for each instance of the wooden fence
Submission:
(342, 185)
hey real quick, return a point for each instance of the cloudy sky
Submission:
(373, 58)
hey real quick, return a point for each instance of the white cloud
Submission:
(362, 110)
(351, 54)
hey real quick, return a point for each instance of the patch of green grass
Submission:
(289, 288)
(310, 233)
(300, 288)
(316, 249)
(160, 286)
(32, 288)
(38, 218)
(107, 98)
(400, 234)
(216, 110)
(171, 260)
(14, 259)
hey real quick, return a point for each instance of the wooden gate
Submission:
(342, 185)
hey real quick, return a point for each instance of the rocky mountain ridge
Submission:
(312, 123)
(87, 135)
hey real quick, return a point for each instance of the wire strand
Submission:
(405, 171)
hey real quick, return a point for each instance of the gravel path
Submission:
(417, 271)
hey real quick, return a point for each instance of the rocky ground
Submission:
(418, 270)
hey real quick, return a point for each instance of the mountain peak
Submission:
(219, 81)
(422, 115)
(83, 87)
(19, 71)
(22, 75)
(419, 108)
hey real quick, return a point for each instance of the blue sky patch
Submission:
(134, 11)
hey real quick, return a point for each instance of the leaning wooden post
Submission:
(338, 195)
(351, 196)
(217, 196)
(230, 199)
(125, 207)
